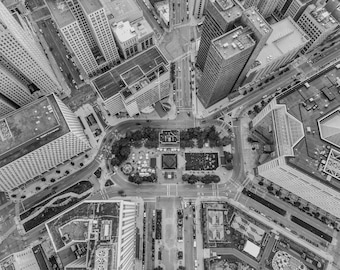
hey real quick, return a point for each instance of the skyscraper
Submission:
(292, 8)
(37, 138)
(318, 24)
(226, 59)
(220, 18)
(199, 8)
(86, 29)
(25, 73)
(266, 7)
(250, 3)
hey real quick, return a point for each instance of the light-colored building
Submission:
(133, 38)
(136, 84)
(266, 7)
(226, 59)
(199, 7)
(318, 24)
(22, 260)
(250, 3)
(163, 10)
(284, 43)
(333, 6)
(220, 17)
(122, 10)
(304, 149)
(36, 139)
(25, 73)
(86, 29)
(292, 8)
(110, 239)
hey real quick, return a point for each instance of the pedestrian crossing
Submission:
(173, 188)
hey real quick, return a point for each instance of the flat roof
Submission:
(90, 6)
(286, 36)
(60, 12)
(257, 21)
(312, 148)
(26, 129)
(142, 28)
(129, 72)
(124, 31)
(227, 9)
(233, 42)
(122, 10)
(322, 17)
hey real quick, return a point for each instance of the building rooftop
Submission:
(137, 68)
(122, 10)
(322, 16)
(164, 10)
(286, 36)
(29, 128)
(143, 28)
(233, 42)
(90, 6)
(227, 9)
(60, 12)
(256, 22)
(124, 31)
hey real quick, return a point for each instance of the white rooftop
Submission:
(286, 36)
(122, 10)
(163, 9)
(143, 28)
(124, 31)
(252, 249)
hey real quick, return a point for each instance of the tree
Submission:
(228, 156)
(226, 141)
(115, 162)
(270, 188)
(200, 143)
(206, 179)
(257, 109)
(151, 144)
(137, 135)
(216, 178)
(192, 179)
(185, 177)
(297, 204)
(229, 166)
(121, 192)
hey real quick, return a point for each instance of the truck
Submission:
(307, 84)
(195, 243)
(81, 77)
(337, 66)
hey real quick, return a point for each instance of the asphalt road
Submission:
(59, 52)
(179, 11)
(183, 91)
(189, 255)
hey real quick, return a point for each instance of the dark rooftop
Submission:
(25, 130)
(129, 72)
(169, 161)
(311, 150)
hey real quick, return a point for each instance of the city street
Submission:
(183, 91)
(189, 250)
(179, 12)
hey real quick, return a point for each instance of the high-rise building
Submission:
(22, 260)
(199, 7)
(250, 3)
(266, 7)
(333, 6)
(318, 24)
(284, 43)
(122, 10)
(292, 8)
(86, 29)
(25, 73)
(226, 59)
(109, 234)
(302, 148)
(37, 138)
(220, 17)
(136, 84)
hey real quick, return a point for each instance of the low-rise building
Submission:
(37, 138)
(22, 260)
(163, 11)
(136, 84)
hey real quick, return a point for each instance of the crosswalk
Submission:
(172, 187)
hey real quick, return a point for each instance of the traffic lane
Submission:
(62, 184)
(188, 238)
(63, 52)
(245, 200)
(186, 82)
(59, 51)
(149, 17)
(148, 234)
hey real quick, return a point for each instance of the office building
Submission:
(292, 8)
(266, 7)
(86, 29)
(37, 138)
(333, 6)
(282, 46)
(318, 24)
(25, 73)
(136, 84)
(226, 59)
(133, 38)
(105, 240)
(122, 10)
(220, 17)
(22, 260)
(199, 7)
(250, 3)
(299, 146)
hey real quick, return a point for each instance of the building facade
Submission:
(318, 24)
(133, 38)
(266, 7)
(25, 73)
(199, 7)
(292, 8)
(220, 17)
(36, 139)
(250, 3)
(86, 29)
(226, 59)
